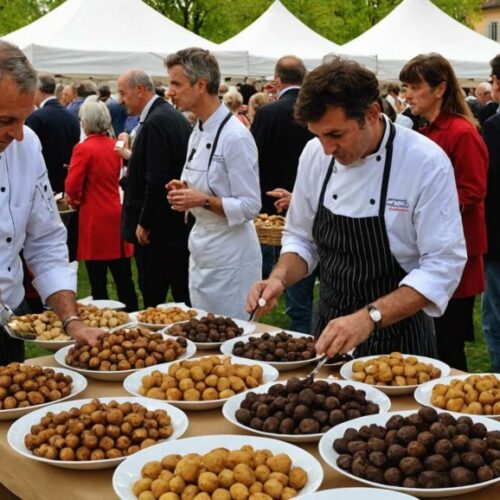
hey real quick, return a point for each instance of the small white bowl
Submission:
(392, 390)
(113, 376)
(133, 383)
(233, 404)
(22, 427)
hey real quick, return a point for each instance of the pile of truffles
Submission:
(25, 385)
(423, 450)
(297, 408)
(126, 350)
(102, 318)
(201, 379)
(475, 395)
(221, 474)
(44, 326)
(395, 370)
(279, 347)
(210, 328)
(97, 431)
(165, 315)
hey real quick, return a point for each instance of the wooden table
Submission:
(33, 480)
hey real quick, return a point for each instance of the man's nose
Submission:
(329, 146)
(16, 131)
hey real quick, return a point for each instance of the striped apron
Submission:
(357, 267)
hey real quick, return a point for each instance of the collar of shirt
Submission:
(146, 108)
(214, 119)
(42, 104)
(282, 92)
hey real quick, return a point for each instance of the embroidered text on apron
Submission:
(357, 267)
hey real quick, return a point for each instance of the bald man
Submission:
(486, 106)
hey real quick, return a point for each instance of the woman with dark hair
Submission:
(435, 94)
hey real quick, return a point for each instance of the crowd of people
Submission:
(390, 196)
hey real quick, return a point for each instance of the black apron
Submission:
(12, 349)
(357, 268)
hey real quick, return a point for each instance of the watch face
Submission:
(375, 315)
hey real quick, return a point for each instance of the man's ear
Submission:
(373, 112)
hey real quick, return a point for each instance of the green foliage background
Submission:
(218, 20)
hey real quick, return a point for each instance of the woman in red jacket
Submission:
(92, 187)
(435, 94)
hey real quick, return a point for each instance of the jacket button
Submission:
(378, 158)
(9, 239)
(372, 202)
(2, 189)
(334, 196)
(8, 269)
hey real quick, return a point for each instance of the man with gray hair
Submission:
(29, 220)
(158, 233)
(57, 129)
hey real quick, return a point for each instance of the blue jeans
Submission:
(298, 298)
(491, 312)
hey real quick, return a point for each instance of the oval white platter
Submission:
(329, 455)
(228, 346)
(129, 471)
(19, 429)
(78, 385)
(347, 373)
(232, 405)
(356, 494)
(133, 383)
(423, 392)
(112, 376)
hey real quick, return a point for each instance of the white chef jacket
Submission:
(422, 215)
(30, 221)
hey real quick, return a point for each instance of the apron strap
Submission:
(387, 169)
(325, 182)
(214, 147)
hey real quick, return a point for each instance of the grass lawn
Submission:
(477, 354)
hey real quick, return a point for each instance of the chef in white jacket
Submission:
(219, 186)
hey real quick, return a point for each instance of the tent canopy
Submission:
(106, 37)
(276, 33)
(418, 27)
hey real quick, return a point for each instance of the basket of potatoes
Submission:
(120, 353)
(95, 433)
(270, 229)
(477, 394)
(394, 373)
(200, 383)
(220, 467)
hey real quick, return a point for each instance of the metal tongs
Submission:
(6, 316)
(261, 303)
(310, 377)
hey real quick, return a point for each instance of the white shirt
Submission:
(422, 215)
(146, 108)
(234, 172)
(30, 221)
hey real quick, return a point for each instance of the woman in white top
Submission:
(219, 186)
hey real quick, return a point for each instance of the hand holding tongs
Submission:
(261, 303)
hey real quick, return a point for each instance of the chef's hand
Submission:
(284, 198)
(185, 199)
(175, 184)
(84, 334)
(344, 333)
(142, 235)
(270, 290)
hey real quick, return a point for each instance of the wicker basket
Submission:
(269, 235)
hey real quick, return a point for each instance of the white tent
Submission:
(276, 33)
(418, 26)
(106, 37)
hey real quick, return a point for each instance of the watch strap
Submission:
(68, 320)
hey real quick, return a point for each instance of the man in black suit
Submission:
(491, 297)
(280, 141)
(57, 129)
(159, 233)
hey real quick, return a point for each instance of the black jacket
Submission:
(280, 141)
(491, 135)
(58, 131)
(158, 156)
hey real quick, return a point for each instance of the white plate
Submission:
(133, 383)
(346, 372)
(130, 471)
(228, 345)
(19, 429)
(101, 303)
(248, 328)
(356, 494)
(155, 326)
(423, 392)
(232, 405)
(329, 455)
(110, 376)
(78, 386)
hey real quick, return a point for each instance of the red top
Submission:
(92, 186)
(469, 156)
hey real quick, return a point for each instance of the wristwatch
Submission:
(68, 320)
(206, 203)
(375, 316)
